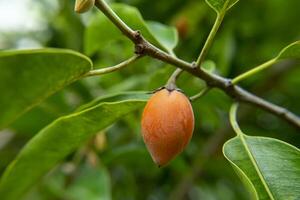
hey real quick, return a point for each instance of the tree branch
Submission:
(214, 144)
(143, 47)
(110, 14)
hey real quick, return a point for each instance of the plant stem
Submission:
(253, 71)
(200, 94)
(174, 76)
(233, 120)
(212, 80)
(213, 146)
(211, 36)
(113, 68)
(126, 30)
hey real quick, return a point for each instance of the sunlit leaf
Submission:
(166, 35)
(27, 77)
(271, 166)
(60, 138)
(209, 66)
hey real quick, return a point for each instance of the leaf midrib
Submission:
(253, 160)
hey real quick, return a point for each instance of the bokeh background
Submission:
(116, 164)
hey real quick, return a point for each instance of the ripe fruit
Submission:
(167, 125)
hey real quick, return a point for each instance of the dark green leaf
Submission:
(67, 28)
(271, 167)
(218, 5)
(60, 138)
(92, 183)
(29, 76)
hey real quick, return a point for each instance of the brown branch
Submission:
(143, 47)
(213, 145)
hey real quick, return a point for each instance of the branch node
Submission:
(139, 49)
(194, 65)
(140, 45)
(137, 37)
(229, 84)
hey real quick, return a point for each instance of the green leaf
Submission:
(166, 35)
(67, 28)
(274, 169)
(209, 66)
(97, 39)
(291, 51)
(91, 183)
(29, 76)
(60, 138)
(221, 5)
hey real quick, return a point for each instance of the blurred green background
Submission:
(116, 165)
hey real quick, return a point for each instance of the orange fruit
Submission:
(167, 125)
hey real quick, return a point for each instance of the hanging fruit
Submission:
(167, 124)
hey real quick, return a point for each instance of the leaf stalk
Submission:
(253, 71)
(119, 66)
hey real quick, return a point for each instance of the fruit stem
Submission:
(171, 83)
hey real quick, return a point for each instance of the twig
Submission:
(213, 145)
(200, 94)
(210, 38)
(253, 71)
(102, 5)
(143, 47)
(174, 76)
(113, 68)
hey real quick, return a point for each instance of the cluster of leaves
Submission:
(69, 129)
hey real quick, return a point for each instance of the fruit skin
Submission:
(167, 125)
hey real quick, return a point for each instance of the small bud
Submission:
(82, 6)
